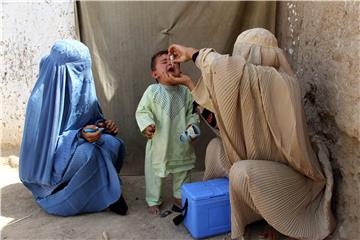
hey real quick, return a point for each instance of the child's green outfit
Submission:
(170, 109)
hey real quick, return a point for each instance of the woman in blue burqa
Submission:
(68, 169)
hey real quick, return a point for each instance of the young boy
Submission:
(163, 113)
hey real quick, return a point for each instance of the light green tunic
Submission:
(170, 109)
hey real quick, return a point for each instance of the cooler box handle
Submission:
(180, 218)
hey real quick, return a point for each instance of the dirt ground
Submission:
(21, 218)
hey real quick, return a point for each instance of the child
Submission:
(164, 112)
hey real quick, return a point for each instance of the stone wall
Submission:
(28, 32)
(322, 42)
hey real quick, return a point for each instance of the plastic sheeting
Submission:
(122, 37)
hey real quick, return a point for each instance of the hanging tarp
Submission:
(122, 37)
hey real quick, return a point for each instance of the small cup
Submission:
(190, 133)
(89, 130)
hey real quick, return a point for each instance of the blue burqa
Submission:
(66, 174)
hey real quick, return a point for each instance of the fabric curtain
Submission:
(122, 37)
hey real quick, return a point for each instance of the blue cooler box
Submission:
(208, 211)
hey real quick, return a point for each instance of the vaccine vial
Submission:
(172, 60)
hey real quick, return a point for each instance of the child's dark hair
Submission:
(156, 55)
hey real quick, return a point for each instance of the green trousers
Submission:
(154, 184)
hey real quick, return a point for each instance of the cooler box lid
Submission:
(205, 190)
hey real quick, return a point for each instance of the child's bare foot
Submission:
(154, 210)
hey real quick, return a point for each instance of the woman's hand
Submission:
(91, 136)
(173, 80)
(181, 53)
(110, 126)
(149, 131)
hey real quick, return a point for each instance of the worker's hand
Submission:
(91, 136)
(182, 79)
(149, 131)
(110, 126)
(181, 53)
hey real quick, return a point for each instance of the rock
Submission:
(13, 161)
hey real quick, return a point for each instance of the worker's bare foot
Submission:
(177, 202)
(154, 210)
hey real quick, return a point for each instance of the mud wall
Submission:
(28, 32)
(322, 42)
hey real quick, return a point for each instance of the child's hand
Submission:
(149, 131)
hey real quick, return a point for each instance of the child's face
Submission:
(163, 65)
